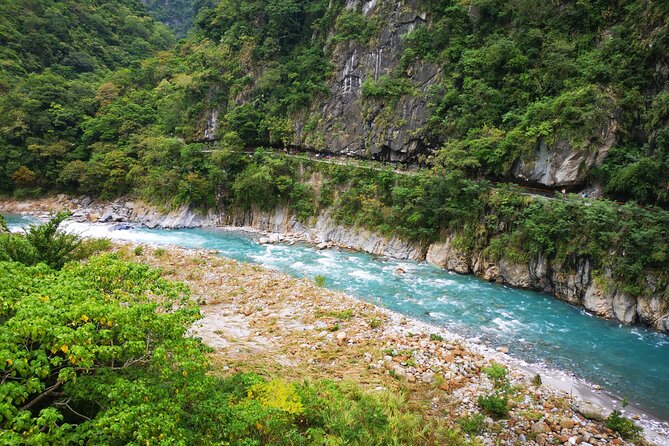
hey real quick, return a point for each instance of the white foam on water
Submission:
(364, 275)
(507, 326)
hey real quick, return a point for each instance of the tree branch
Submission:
(41, 396)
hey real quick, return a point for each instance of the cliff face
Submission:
(397, 127)
(349, 123)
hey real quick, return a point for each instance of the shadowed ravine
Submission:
(632, 362)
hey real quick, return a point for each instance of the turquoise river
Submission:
(632, 362)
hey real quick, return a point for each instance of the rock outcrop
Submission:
(560, 165)
(347, 122)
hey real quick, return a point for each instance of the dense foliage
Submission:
(54, 55)
(515, 74)
(177, 14)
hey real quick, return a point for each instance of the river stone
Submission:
(541, 427)
(591, 410)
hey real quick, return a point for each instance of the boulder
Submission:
(561, 164)
(515, 274)
(591, 410)
(653, 310)
(443, 254)
(597, 301)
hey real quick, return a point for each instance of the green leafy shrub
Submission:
(536, 380)
(624, 426)
(472, 424)
(494, 404)
(350, 25)
(46, 243)
(375, 323)
(320, 281)
(498, 374)
(386, 87)
(98, 353)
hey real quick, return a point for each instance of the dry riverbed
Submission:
(265, 321)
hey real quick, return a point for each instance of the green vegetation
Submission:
(375, 323)
(536, 380)
(45, 243)
(519, 73)
(320, 280)
(624, 426)
(473, 424)
(496, 403)
(179, 15)
(113, 115)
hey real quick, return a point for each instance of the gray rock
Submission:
(653, 310)
(515, 274)
(597, 301)
(443, 254)
(562, 164)
(591, 411)
(624, 307)
(347, 122)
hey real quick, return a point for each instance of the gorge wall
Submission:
(398, 122)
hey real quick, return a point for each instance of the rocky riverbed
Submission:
(268, 321)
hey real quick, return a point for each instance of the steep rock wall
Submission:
(348, 123)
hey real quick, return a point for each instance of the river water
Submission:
(632, 362)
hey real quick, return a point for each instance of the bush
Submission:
(624, 426)
(45, 243)
(320, 281)
(53, 247)
(472, 424)
(498, 374)
(375, 323)
(98, 353)
(536, 380)
(90, 247)
(495, 404)
(386, 87)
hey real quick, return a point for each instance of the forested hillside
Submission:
(562, 94)
(177, 14)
